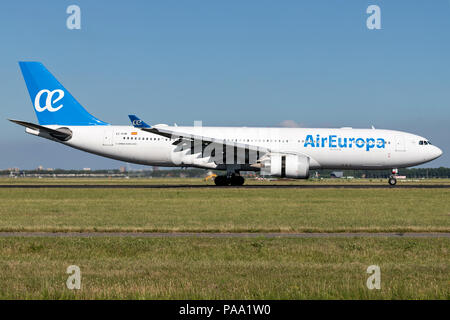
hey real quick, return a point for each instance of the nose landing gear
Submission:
(392, 179)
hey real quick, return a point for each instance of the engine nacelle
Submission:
(285, 165)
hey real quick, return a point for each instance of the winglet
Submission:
(136, 122)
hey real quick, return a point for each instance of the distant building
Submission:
(122, 169)
(40, 168)
(86, 169)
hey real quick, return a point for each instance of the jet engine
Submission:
(285, 165)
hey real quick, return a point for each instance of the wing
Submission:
(185, 137)
(136, 122)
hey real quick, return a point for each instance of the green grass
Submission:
(209, 268)
(226, 210)
(223, 268)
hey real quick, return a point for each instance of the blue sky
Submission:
(251, 62)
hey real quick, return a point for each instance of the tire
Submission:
(237, 181)
(221, 181)
(392, 181)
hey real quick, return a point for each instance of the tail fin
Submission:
(53, 104)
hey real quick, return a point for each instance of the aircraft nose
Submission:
(436, 152)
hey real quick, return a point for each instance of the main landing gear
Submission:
(233, 180)
(392, 179)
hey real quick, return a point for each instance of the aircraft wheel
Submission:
(221, 181)
(392, 181)
(237, 181)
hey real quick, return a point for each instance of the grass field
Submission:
(207, 268)
(225, 210)
(223, 268)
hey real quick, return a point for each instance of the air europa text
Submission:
(333, 141)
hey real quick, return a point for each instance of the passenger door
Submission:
(108, 137)
(400, 144)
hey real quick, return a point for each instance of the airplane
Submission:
(277, 152)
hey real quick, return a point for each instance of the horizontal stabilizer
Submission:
(62, 134)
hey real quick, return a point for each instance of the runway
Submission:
(226, 235)
(180, 186)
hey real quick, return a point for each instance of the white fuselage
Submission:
(344, 148)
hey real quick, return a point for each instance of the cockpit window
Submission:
(429, 142)
(421, 142)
